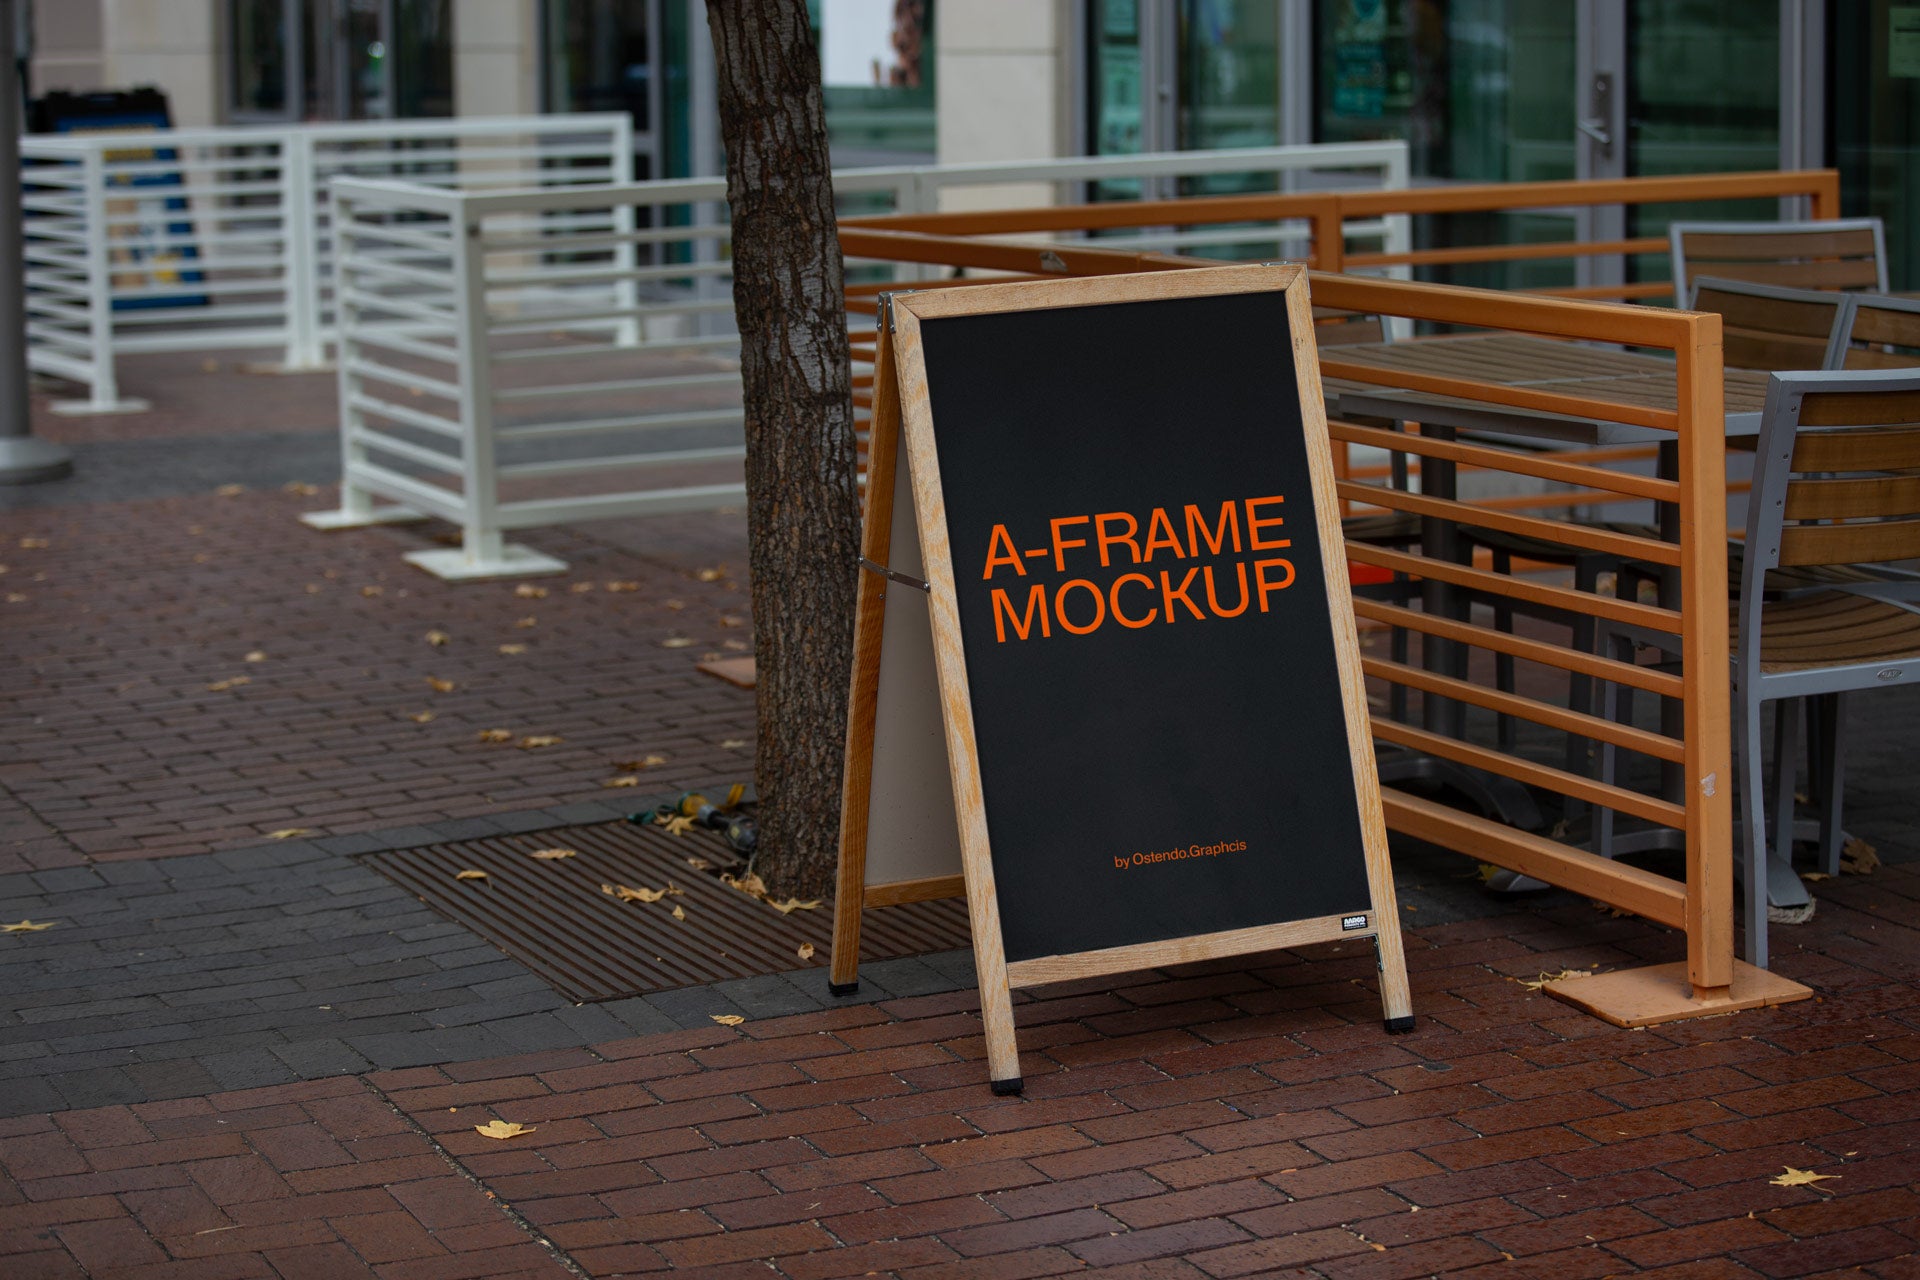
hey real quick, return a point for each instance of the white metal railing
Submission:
(512, 359)
(192, 238)
(509, 359)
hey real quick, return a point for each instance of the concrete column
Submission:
(67, 51)
(496, 58)
(171, 44)
(1002, 89)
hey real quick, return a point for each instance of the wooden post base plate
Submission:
(1661, 993)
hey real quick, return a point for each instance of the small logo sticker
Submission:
(1350, 923)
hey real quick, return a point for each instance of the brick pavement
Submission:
(1216, 1121)
(235, 1057)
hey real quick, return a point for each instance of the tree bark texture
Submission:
(802, 503)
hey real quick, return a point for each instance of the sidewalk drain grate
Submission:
(588, 945)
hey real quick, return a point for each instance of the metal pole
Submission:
(23, 459)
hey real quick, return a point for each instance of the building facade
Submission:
(1482, 90)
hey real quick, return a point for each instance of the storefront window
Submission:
(339, 59)
(257, 61)
(1873, 51)
(876, 64)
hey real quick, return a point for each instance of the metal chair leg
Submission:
(1752, 831)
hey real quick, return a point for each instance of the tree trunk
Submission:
(802, 508)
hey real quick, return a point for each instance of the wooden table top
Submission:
(1603, 374)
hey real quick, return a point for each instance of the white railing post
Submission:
(626, 291)
(105, 385)
(356, 507)
(483, 551)
(300, 201)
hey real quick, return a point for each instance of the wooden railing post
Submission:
(1703, 655)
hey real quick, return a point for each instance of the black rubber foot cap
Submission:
(1003, 1088)
(843, 988)
(1400, 1026)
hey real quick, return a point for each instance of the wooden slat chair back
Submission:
(1336, 328)
(1773, 328)
(1829, 253)
(1884, 333)
(1836, 483)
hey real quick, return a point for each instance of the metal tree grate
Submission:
(552, 916)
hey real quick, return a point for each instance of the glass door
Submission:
(339, 59)
(1677, 88)
(1478, 89)
(604, 55)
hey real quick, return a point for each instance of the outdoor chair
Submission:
(1883, 333)
(1774, 328)
(1836, 489)
(1829, 253)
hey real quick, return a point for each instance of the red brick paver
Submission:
(1506, 1136)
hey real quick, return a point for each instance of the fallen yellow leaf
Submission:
(25, 926)
(231, 490)
(626, 894)
(729, 620)
(624, 780)
(732, 744)
(504, 1129)
(806, 951)
(711, 575)
(1534, 984)
(255, 656)
(678, 914)
(553, 854)
(291, 833)
(34, 544)
(698, 864)
(749, 884)
(231, 682)
(737, 645)
(16, 597)
(676, 642)
(644, 762)
(678, 826)
(437, 638)
(528, 621)
(1793, 1177)
(441, 686)
(470, 875)
(496, 735)
(421, 717)
(508, 650)
(301, 487)
(527, 591)
(675, 605)
(540, 740)
(727, 1019)
(580, 588)
(623, 586)
(792, 905)
(373, 591)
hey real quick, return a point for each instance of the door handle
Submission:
(1597, 130)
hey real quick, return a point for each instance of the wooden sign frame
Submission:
(902, 411)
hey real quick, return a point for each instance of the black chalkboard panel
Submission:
(1143, 611)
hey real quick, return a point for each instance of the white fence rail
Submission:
(194, 238)
(514, 359)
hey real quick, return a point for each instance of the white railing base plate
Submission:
(84, 408)
(516, 561)
(360, 519)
